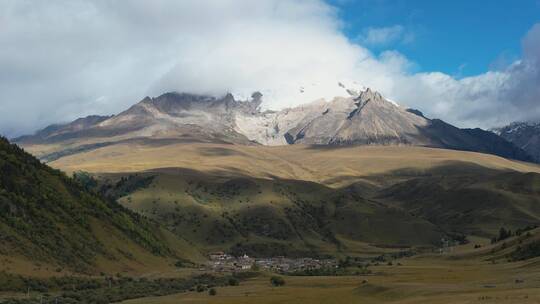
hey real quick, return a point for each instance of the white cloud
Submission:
(63, 59)
(382, 36)
(491, 99)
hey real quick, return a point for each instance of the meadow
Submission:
(417, 280)
(331, 166)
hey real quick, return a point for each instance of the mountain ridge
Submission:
(362, 118)
(525, 135)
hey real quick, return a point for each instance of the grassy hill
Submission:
(328, 165)
(475, 200)
(50, 223)
(265, 217)
(314, 200)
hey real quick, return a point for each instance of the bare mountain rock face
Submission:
(362, 118)
(171, 117)
(175, 115)
(59, 132)
(525, 135)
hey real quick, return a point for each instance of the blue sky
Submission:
(460, 38)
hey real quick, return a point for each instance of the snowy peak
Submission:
(301, 93)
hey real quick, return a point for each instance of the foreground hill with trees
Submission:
(52, 222)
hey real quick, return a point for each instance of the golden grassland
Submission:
(333, 166)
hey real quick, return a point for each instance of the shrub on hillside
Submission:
(277, 281)
(201, 288)
(526, 252)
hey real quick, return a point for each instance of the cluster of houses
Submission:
(223, 262)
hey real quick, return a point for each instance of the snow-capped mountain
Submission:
(525, 135)
(357, 116)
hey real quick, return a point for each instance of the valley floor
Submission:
(417, 280)
(465, 274)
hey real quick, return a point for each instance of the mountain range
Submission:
(364, 117)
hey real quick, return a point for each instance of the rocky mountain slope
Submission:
(525, 135)
(362, 117)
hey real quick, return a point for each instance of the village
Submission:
(223, 262)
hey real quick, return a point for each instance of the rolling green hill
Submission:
(312, 200)
(475, 201)
(265, 217)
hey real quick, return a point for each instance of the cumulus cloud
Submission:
(494, 98)
(382, 36)
(63, 59)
